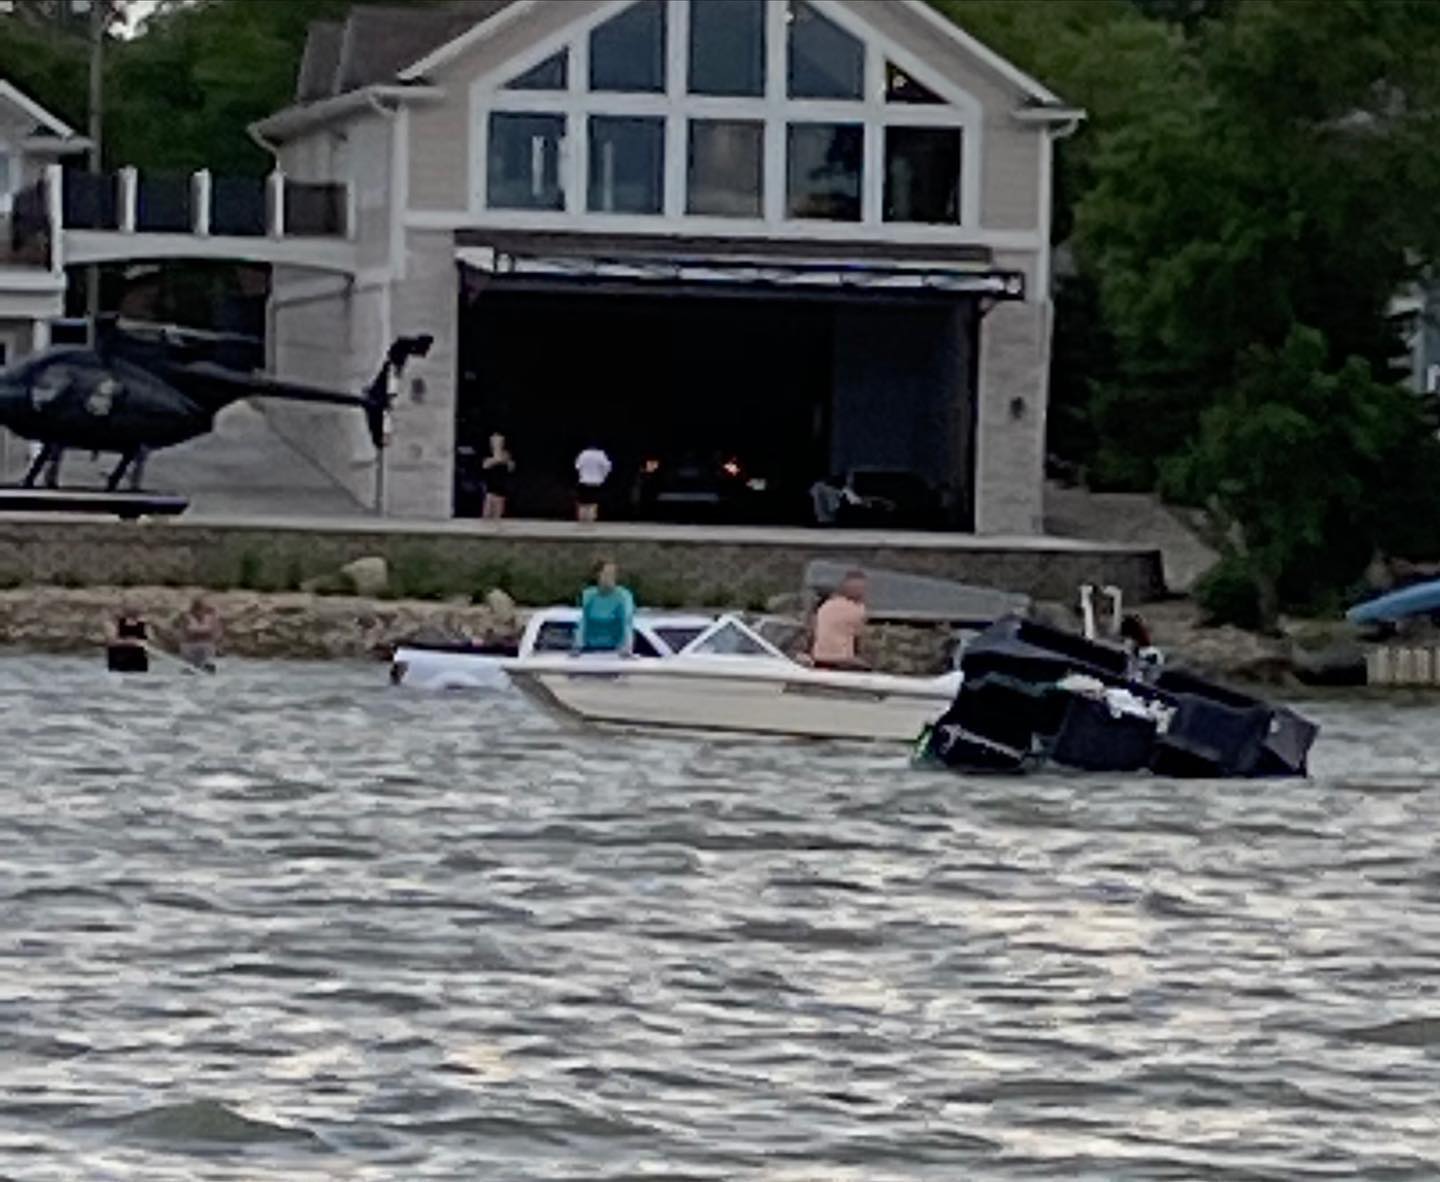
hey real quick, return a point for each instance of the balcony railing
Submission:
(128, 202)
(164, 204)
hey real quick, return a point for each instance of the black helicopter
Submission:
(143, 387)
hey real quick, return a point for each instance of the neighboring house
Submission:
(814, 233)
(30, 294)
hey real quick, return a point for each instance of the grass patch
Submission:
(416, 574)
(250, 575)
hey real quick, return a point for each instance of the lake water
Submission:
(290, 923)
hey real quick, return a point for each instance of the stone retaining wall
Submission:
(669, 568)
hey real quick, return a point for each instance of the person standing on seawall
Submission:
(592, 470)
(607, 614)
(498, 467)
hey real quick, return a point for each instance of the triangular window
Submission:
(826, 62)
(901, 88)
(627, 52)
(551, 74)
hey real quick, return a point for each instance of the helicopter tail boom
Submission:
(217, 386)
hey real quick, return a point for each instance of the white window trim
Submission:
(12, 181)
(961, 111)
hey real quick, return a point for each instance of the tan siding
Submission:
(1010, 181)
(440, 154)
(440, 135)
(369, 157)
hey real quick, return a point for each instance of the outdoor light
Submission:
(731, 468)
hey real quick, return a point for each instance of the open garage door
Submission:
(717, 407)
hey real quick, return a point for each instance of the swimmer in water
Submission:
(126, 641)
(200, 634)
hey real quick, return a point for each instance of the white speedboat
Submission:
(550, 630)
(729, 678)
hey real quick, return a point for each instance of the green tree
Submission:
(1294, 189)
(1293, 464)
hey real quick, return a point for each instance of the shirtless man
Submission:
(200, 634)
(839, 624)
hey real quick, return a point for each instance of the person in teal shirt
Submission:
(607, 614)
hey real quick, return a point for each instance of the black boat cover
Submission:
(1034, 695)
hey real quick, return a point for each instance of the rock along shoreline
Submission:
(281, 624)
(300, 625)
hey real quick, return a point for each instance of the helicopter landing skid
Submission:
(128, 506)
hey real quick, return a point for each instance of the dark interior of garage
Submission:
(766, 394)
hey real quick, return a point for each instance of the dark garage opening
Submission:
(785, 389)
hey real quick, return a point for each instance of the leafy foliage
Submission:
(180, 95)
(1293, 463)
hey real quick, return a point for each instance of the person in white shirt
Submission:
(592, 469)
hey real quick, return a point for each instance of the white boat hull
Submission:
(438, 669)
(779, 699)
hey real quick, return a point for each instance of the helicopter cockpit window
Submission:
(48, 385)
(103, 396)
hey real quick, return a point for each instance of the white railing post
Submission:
(55, 214)
(352, 213)
(129, 196)
(200, 202)
(276, 183)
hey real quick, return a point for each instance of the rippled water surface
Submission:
(290, 923)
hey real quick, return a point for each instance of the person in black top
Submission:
(125, 642)
(497, 469)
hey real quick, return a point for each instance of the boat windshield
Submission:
(729, 637)
(555, 636)
(677, 636)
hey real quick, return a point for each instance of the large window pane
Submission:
(824, 171)
(922, 174)
(727, 47)
(825, 61)
(524, 162)
(551, 74)
(627, 52)
(726, 166)
(627, 165)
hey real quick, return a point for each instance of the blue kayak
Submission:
(1418, 599)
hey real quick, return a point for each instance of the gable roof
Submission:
(375, 43)
(320, 61)
(380, 47)
(1034, 91)
(46, 122)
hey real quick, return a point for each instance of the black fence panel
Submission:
(163, 204)
(237, 206)
(315, 211)
(91, 201)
